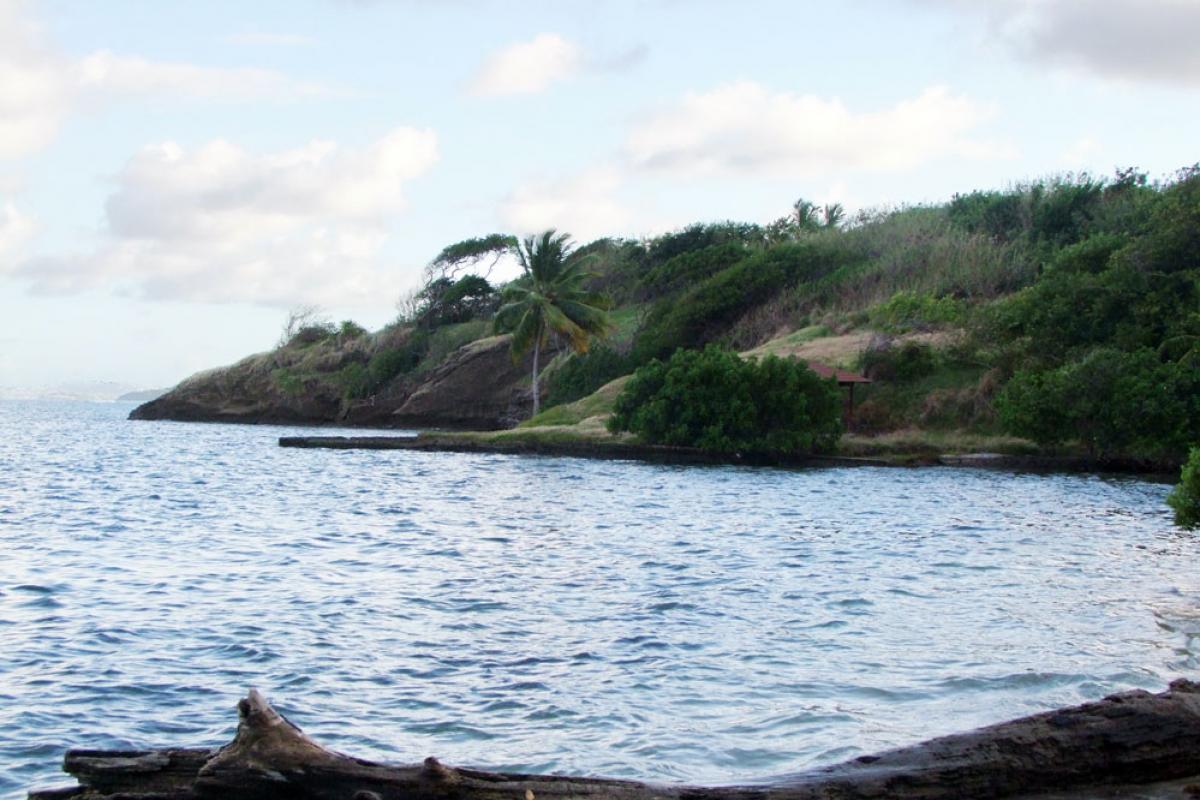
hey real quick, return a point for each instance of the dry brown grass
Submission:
(913, 441)
(844, 350)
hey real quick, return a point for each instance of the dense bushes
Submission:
(693, 266)
(362, 380)
(702, 313)
(714, 400)
(310, 333)
(1114, 402)
(1056, 212)
(908, 311)
(583, 373)
(1185, 497)
(1122, 305)
(448, 302)
(350, 330)
(1108, 335)
(898, 363)
(699, 236)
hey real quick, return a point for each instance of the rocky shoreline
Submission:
(477, 387)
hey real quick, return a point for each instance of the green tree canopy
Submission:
(445, 302)
(550, 297)
(714, 400)
(1185, 497)
(469, 252)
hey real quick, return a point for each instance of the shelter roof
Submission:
(843, 376)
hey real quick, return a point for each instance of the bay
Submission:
(544, 614)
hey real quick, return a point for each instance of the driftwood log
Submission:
(1127, 739)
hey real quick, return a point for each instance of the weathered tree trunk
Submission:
(537, 351)
(1128, 738)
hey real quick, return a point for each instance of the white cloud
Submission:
(114, 75)
(533, 66)
(15, 230)
(528, 67)
(745, 128)
(1125, 40)
(34, 96)
(39, 86)
(584, 205)
(219, 224)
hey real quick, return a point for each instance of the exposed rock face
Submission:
(477, 386)
(244, 392)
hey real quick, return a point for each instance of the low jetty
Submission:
(572, 447)
(1130, 745)
(533, 442)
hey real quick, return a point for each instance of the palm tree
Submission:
(550, 297)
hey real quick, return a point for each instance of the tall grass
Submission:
(919, 249)
(915, 250)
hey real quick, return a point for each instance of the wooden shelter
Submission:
(846, 380)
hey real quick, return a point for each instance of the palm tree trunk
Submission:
(537, 348)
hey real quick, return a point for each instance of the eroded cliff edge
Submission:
(476, 386)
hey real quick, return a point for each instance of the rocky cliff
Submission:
(477, 386)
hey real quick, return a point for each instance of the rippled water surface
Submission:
(547, 614)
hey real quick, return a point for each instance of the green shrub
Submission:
(1058, 211)
(692, 266)
(354, 380)
(387, 364)
(1067, 312)
(349, 329)
(714, 400)
(997, 214)
(1091, 255)
(583, 373)
(311, 333)
(447, 302)
(358, 380)
(703, 313)
(700, 236)
(907, 311)
(1185, 497)
(909, 362)
(1111, 401)
(288, 381)
(615, 267)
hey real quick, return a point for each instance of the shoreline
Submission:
(430, 442)
(583, 447)
(1131, 743)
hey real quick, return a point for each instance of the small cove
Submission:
(547, 614)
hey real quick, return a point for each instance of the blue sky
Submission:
(175, 177)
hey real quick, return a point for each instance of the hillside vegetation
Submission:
(1063, 312)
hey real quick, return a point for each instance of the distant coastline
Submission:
(97, 392)
(142, 396)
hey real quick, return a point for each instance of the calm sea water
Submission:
(668, 623)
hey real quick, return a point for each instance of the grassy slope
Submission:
(585, 418)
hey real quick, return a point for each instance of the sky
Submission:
(175, 178)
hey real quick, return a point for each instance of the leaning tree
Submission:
(550, 297)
